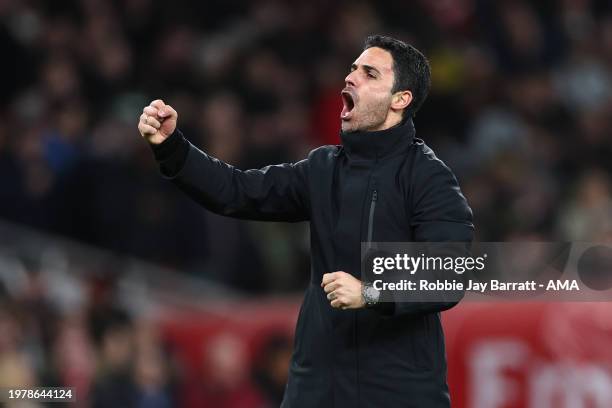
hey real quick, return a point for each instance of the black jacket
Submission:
(378, 186)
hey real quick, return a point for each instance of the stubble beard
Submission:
(370, 117)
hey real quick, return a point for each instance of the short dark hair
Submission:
(410, 67)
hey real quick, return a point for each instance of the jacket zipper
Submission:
(355, 329)
(371, 218)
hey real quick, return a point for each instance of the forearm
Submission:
(274, 193)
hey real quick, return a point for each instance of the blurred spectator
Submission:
(271, 368)
(112, 332)
(223, 380)
(152, 373)
(589, 215)
(16, 367)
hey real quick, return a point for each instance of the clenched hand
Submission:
(343, 290)
(157, 122)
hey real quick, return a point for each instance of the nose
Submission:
(350, 78)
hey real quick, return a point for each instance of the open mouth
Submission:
(348, 102)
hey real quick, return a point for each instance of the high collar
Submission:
(371, 145)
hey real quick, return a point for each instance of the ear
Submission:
(401, 100)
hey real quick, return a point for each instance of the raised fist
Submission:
(157, 122)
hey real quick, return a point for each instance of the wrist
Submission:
(171, 154)
(168, 146)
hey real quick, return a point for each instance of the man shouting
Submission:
(381, 185)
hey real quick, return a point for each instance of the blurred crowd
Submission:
(520, 109)
(61, 327)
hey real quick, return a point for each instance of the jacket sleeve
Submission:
(439, 213)
(273, 193)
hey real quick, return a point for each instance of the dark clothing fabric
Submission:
(378, 186)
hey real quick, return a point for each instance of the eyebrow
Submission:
(366, 67)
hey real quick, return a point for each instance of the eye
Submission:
(370, 75)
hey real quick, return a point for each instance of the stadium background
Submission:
(114, 283)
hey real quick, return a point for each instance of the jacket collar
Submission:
(373, 145)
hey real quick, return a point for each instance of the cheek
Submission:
(378, 98)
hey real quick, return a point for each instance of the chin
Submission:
(348, 127)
